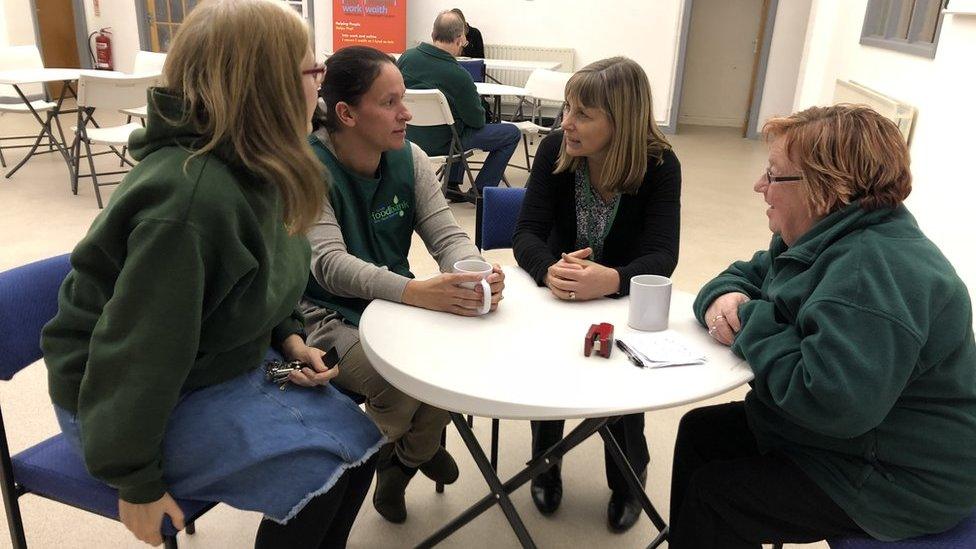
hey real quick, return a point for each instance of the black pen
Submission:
(630, 355)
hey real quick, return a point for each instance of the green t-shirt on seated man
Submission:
(428, 67)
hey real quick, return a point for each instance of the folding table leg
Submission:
(635, 486)
(537, 465)
(493, 482)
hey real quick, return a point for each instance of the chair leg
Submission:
(3, 161)
(94, 176)
(528, 160)
(128, 120)
(494, 443)
(191, 528)
(439, 488)
(471, 421)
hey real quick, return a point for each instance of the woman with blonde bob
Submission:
(861, 420)
(602, 205)
(181, 284)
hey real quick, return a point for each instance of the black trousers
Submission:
(627, 430)
(726, 495)
(325, 521)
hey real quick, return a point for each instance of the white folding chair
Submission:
(542, 85)
(17, 58)
(430, 108)
(110, 93)
(147, 63)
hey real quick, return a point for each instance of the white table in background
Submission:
(23, 77)
(496, 91)
(525, 361)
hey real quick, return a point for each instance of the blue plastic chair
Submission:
(962, 536)
(475, 67)
(495, 213)
(495, 217)
(51, 469)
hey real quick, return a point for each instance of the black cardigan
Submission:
(642, 240)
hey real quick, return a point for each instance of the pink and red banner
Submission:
(381, 24)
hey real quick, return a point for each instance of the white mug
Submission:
(483, 268)
(650, 303)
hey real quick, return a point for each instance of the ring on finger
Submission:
(718, 317)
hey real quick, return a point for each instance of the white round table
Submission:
(525, 361)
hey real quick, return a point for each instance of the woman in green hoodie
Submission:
(861, 420)
(185, 279)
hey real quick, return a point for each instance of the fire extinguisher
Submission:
(101, 56)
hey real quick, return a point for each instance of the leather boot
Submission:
(441, 467)
(392, 478)
(624, 508)
(547, 490)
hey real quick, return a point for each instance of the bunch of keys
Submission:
(277, 371)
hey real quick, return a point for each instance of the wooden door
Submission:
(165, 17)
(56, 26)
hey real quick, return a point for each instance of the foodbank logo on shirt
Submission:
(385, 213)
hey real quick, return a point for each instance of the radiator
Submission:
(565, 56)
(903, 115)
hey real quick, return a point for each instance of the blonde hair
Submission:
(237, 66)
(619, 87)
(846, 152)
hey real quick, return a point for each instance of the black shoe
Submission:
(392, 478)
(624, 509)
(440, 468)
(454, 194)
(547, 491)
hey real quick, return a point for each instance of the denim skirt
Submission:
(246, 443)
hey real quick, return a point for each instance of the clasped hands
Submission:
(722, 317)
(576, 278)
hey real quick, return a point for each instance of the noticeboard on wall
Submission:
(381, 24)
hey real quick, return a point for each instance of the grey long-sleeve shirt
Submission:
(344, 274)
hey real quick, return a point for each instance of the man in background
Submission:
(434, 66)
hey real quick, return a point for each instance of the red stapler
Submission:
(599, 339)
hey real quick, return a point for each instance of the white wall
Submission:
(20, 22)
(4, 41)
(785, 53)
(646, 31)
(121, 16)
(718, 64)
(942, 90)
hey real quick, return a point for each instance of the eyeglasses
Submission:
(317, 72)
(770, 178)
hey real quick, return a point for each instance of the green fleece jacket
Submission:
(181, 282)
(860, 337)
(428, 67)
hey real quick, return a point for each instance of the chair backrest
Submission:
(547, 85)
(148, 62)
(20, 57)
(114, 92)
(496, 213)
(428, 107)
(475, 67)
(28, 300)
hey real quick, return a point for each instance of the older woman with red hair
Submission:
(862, 415)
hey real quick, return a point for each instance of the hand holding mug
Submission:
(445, 293)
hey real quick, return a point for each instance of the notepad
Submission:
(665, 349)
